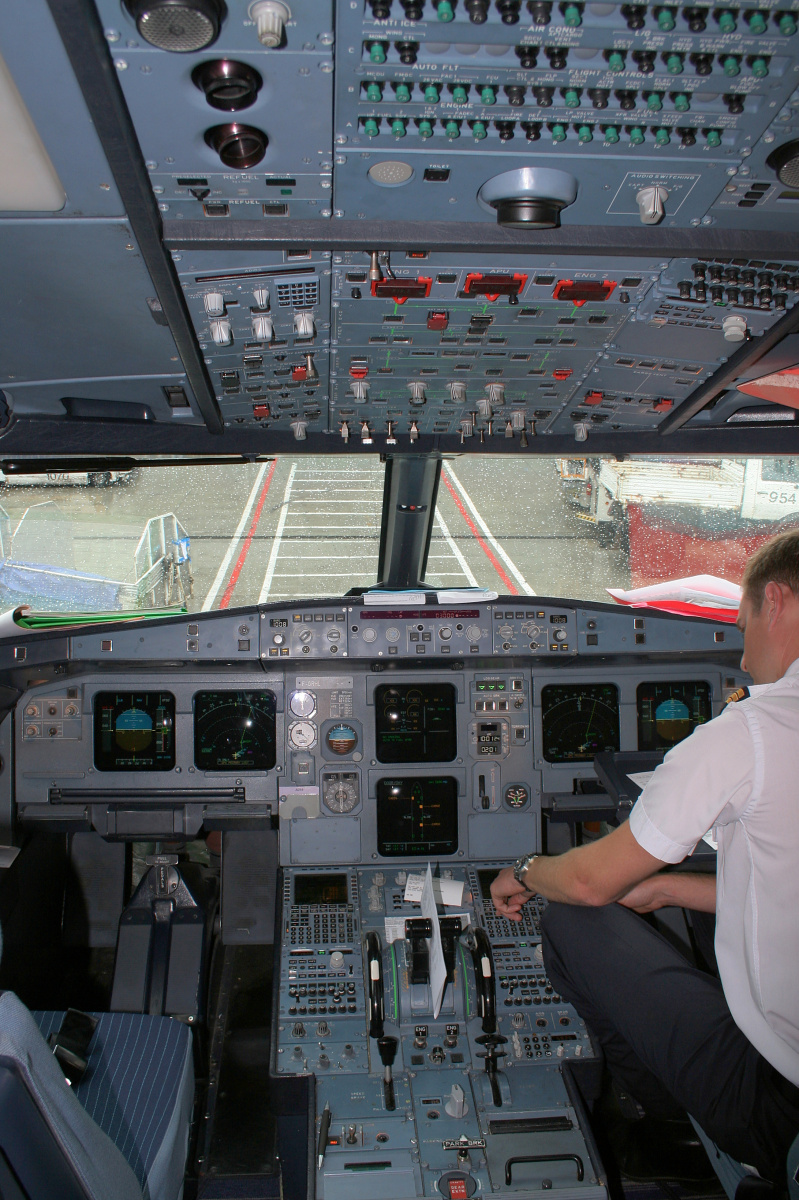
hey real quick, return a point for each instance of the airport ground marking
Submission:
(281, 524)
(234, 541)
(245, 550)
(448, 475)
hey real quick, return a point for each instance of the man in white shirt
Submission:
(676, 1038)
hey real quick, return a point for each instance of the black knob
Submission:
(687, 137)
(227, 84)
(626, 100)
(532, 130)
(515, 95)
(543, 96)
(387, 1048)
(413, 9)
(381, 9)
(407, 52)
(599, 97)
(540, 11)
(509, 11)
(696, 18)
(239, 146)
(527, 56)
(477, 10)
(703, 63)
(178, 25)
(735, 104)
(505, 131)
(634, 15)
(557, 57)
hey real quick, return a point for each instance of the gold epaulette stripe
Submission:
(740, 693)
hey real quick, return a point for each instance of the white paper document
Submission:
(438, 970)
(393, 599)
(641, 777)
(465, 595)
(448, 892)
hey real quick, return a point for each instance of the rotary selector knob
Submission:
(221, 332)
(336, 961)
(333, 635)
(262, 329)
(560, 635)
(304, 325)
(445, 633)
(214, 304)
(303, 704)
(370, 635)
(392, 634)
(32, 710)
(278, 639)
(305, 635)
(506, 631)
(473, 633)
(302, 735)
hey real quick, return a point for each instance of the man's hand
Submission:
(508, 895)
(645, 897)
(678, 889)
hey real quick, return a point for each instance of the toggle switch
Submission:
(299, 425)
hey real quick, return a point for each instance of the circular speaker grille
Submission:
(178, 27)
(785, 161)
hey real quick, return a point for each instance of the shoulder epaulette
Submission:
(740, 693)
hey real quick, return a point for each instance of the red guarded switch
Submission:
(260, 411)
(562, 373)
(457, 1189)
(437, 321)
(580, 291)
(299, 374)
(593, 398)
(662, 405)
(358, 370)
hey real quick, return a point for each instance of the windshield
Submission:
(211, 536)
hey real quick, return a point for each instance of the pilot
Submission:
(675, 1038)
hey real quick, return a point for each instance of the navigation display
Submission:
(579, 720)
(415, 723)
(668, 712)
(134, 731)
(234, 731)
(417, 817)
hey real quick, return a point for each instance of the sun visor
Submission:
(28, 180)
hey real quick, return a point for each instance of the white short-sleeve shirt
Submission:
(739, 775)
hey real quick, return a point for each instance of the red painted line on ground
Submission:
(511, 589)
(234, 575)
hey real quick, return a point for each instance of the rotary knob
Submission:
(333, 635)
(278, 639)
(560, 635)
(473, 633)
(392, 634)
(305, 635)
(370, 635)
(445, 633)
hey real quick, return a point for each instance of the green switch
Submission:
(402, 92)
(445, 12)
(452, 130)
(460, 94)
(756, 22)
(571, 98)
(674, 64)
(615, 61)
(398, 127)
(787, 25)
(654, 101)
(374, 92)
(572, 16)
(760, 68)
(376, 53)
(662, 137)
(585, 133)
(611, 134)
(431, 93)
(425, 129)
(666, 20)
(731, 65)
(636, 136)
(682, 102)
(479, 131)
(713, 137)
(371, 127)
(727, 22)
(488, 95)
(558, 133)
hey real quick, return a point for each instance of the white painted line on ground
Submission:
(508, 561)
(234, 541)
(284, 508)
(462, 563)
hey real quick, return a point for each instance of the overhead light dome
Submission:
(177, 25)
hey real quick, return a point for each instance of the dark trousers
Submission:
(667, 1032)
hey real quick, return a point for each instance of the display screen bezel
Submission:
(267, 762)
(127, 761)
(423, 745)
(391, 846)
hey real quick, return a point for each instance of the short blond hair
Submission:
(778, 561)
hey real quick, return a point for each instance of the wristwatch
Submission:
(521, 865)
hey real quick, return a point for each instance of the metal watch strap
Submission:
(521, 865)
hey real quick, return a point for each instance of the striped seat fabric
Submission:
(139, 1088)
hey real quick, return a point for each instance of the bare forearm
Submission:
(687, 889)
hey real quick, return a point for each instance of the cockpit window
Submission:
(203, 536)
